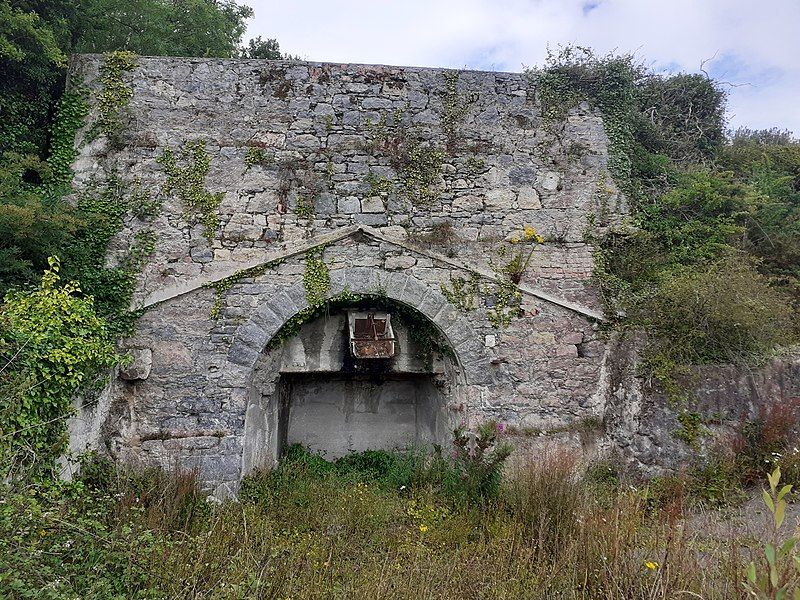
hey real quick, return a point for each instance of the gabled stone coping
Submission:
(301, 247)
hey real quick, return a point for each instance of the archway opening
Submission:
(334, 395)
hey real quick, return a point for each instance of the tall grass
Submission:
(374, 525)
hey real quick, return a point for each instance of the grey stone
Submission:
(399, 262)
(349, 205)
(373, 204)
(141, 361)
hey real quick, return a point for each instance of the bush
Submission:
(52, 346)
(724, 312)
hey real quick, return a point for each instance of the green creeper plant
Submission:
(70, 114)
(188, 184)
(463, 293)
(115, 94)
(316, 277)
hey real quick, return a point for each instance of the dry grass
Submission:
(308, 531)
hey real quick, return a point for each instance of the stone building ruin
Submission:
(326, 190)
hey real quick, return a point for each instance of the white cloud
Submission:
(755, 43)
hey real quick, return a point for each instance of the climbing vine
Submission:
(304, 208)
(420, 172)
(115, 95)
(142, 204)
(316, 277)
(418, 163)
(455, 109)
(506, 300)
(420, 329)
(188, 184)
(69, 118)
(142, 248)
(379, 186)
(222, 286)
(105, 206)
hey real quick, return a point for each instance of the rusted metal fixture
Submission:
(371, 334)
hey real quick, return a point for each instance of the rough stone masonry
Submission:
(407, 190)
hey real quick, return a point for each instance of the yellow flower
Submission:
(651, 565)
(423, 528)
(532, 235)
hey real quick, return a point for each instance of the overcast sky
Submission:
(752, 44)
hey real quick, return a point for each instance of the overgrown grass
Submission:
(373, 525)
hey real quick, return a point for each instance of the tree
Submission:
(164, 28)
(36, 36)
(258, 48)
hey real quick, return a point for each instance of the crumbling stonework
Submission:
(414, 183)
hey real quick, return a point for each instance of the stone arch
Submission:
(252, 337)
(262, 423)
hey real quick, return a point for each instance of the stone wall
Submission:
(410, 180)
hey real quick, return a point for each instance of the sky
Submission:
(752, 46)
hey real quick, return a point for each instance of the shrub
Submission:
(725, 312)
(52, 346)
(478, 458)
(769, 440)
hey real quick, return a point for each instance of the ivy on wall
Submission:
(70, 116)
(421, 330)
(115, 95)
(463, 292)
(188, 184)
(222, 286)
(455, 107)
(316, 277)
(418, 163)
(106, 205)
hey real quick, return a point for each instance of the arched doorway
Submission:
(313, 385)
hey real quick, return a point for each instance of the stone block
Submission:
(469, 204)
(399, 262)
(373, 220)
(241, 354)
(548, 180)
(376, 104)
(140, 365)
(528, 199)
(349, 205)
(252, 335)
(414, 292)
(373, 204)
(502, 199)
